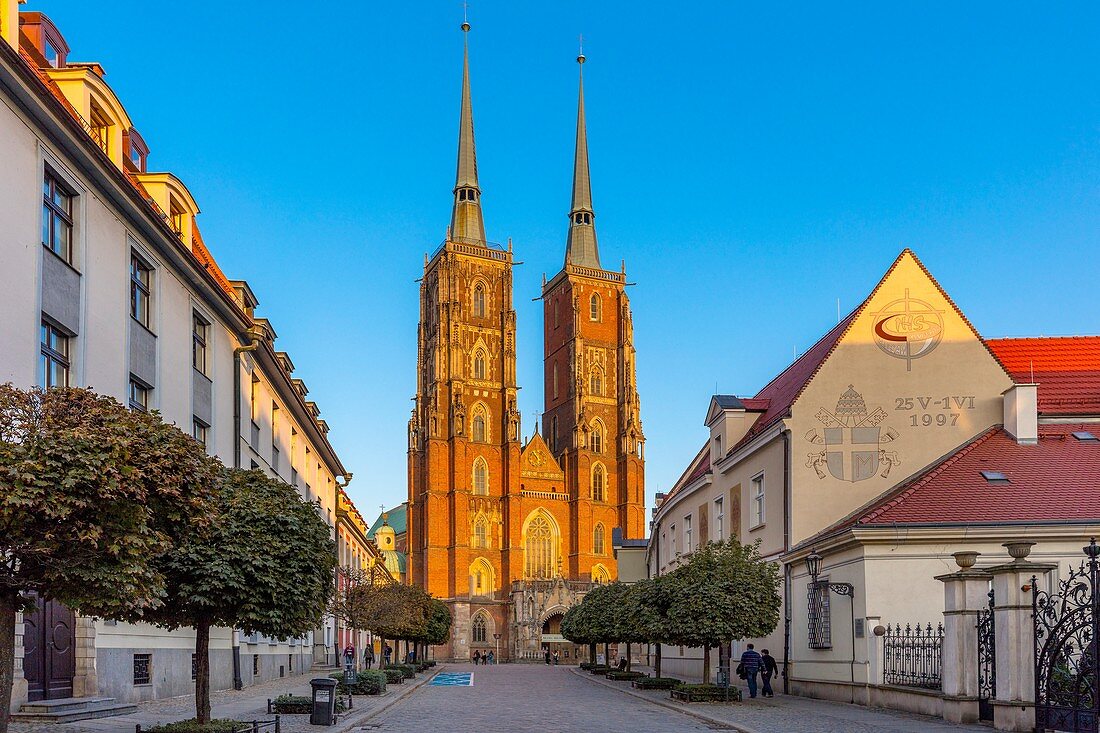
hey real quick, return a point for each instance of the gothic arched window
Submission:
(479, 364)
(479, 628)
(539, 546)
(600, 574)
(597, 437)
(481, 477)
(479, 301)
(597, 540)
(594, 307)
(554, 391)
(481, 531)
(596, 381)
(478, 424)
(599, 480)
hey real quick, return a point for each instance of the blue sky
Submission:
(751, 163)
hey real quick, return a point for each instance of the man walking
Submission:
(368, 656)
(768, 669)
(751, 663)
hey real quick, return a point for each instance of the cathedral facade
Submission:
(511, 532)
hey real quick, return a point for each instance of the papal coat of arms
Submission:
(852, 441)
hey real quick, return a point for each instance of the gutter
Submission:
(785, 435)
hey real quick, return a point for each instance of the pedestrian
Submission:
(368, 656)
(490, 659)
(477, 658)
(767, 671)
(546, 655)
(557, 657)
(387, 651)
(748, 668)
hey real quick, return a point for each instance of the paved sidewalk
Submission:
(793, 714)
(247, 704)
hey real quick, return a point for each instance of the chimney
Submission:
(1021, 404)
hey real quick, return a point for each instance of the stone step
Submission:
(67, 710)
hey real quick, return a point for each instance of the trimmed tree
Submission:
(265, 564)
(724, 592)
(576, 625)
(90, 494)
(651, 603)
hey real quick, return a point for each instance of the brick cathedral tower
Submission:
(464, 432)
(591, 418)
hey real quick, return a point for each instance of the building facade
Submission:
(512, 532)
(901, 437)
(109, 285)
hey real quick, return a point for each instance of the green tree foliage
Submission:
(265, 564)
(724, 592)
(90, 494)
(438, 628)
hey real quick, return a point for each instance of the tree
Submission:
(90, 494)
(438, 628)
(576, 625)
(265, 564)
(724, 592)
(650, 606)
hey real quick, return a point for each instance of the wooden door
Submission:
(49, 661)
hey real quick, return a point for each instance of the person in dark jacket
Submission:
(767, 671)
(368, 656)
(751, 663)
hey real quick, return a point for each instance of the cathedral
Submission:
(512, 532)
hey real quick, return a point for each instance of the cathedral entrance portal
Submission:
(552, 640)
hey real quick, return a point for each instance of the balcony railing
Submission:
(489, 250)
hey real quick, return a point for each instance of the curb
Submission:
(351, 721)
(726, 725)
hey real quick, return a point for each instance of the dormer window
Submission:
(100, 125)
(467, 194)
(137, 151)
(53, 57)
(582, 217)
(177, 217)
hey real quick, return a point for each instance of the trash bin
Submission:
(324, 701)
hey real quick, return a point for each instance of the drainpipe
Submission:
(254, 342)
(786, 435)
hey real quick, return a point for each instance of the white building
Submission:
(107, 284)
(900, 437)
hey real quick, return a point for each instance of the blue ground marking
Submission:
(453, 679)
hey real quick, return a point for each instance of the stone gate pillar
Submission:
(19, 684)
(965, 593)
(1014, 707)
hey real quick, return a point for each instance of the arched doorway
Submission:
(551, 639)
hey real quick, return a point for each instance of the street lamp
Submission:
(496, 637)
(813, 566)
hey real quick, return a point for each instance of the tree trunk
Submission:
(607, 654)
(202, 671)
(628, 656)
(8, 600)
(706, 664)
(592, 652)
(657, 662)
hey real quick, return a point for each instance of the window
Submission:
(597, 438)
(598, 483)
(481, 532)
(177, 217)
(274, 437)
(139, 394)
(255, 665)
(539, 547)
(53, 58)
(481, 477)
(137, 157)
(672, 552)
(200, 330)
(100, 125)
(53, 364)
(57, 217)
(478, 424)
(719, 520)
(142, 669)
(479, 365)
(995, 477)
(687, 534)
(596, 381)
(757, 495)
(479, 629)
(554, 381)
(600, 575)
(140, 277)
(818, 617)
(594, 307)
(479, 301)
(597, 540)
(554, 433)
(200, 431)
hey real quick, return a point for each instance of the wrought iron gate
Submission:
(1067, 627)
(987, 662)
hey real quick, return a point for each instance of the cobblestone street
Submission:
(559, 700)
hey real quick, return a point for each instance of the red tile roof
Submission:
(1056, 480)
(1067, 369)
